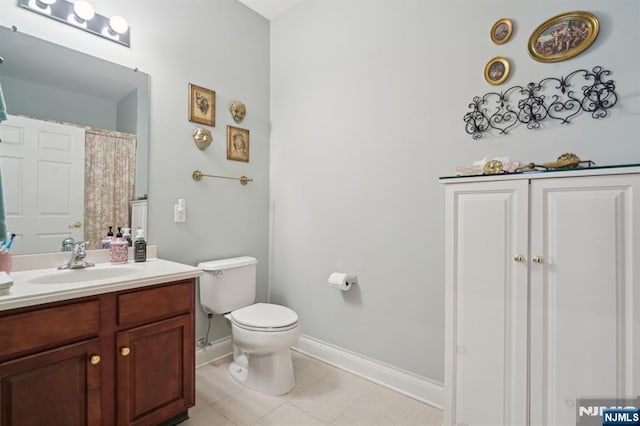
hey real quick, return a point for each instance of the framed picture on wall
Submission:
(202, 105)
(237, 144)
(496, 71)
(563, 36)
(501, 31)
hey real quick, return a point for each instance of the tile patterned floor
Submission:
(323, 395)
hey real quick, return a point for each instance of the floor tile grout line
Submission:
(308, 364)
(345, 410)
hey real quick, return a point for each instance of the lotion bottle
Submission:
(126, 234)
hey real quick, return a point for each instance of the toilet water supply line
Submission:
(204, 342)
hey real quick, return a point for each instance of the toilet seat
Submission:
(264, 317)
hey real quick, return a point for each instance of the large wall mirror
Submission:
(52, 91)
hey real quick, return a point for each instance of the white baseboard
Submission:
(416, 387)
(220, 349)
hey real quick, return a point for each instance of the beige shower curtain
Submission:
(109, 172)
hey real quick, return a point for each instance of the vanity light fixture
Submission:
(80, 14)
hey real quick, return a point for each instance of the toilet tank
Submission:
(227, 284)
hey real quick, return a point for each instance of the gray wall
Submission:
(128, 109)
(144, 126)
(367, 100)
(218, 44)
(127, 113)
(39, 101)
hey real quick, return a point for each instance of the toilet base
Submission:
(267, 373)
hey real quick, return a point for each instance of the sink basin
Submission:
(87, 275)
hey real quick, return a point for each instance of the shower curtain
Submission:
(109, 172)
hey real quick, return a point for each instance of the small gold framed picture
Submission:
(497, 70)
(237, 144)
(501, 31)
(202, 105)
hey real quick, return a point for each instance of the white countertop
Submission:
(153, 271)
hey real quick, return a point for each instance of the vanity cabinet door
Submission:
(59, 386)
(155, 371)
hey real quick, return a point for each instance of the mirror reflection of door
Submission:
(43, 174)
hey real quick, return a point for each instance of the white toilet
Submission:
(262, 333)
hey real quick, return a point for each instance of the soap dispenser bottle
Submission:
(106, 242)
(140, 247)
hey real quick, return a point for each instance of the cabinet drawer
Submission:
(155, 303)
(45, 327)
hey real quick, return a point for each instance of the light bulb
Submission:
(42, 6)
(83, 10)
(118, 25)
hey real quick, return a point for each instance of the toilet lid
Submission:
(264, 315)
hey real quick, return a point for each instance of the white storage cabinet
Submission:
(542, 294)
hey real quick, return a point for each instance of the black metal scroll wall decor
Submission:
(549, 99)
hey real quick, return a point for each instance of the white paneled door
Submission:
(486, 303)
(585, 311)
(43, 175)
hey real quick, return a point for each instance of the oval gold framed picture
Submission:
(497, 70)
(501, 31)
(563, 36)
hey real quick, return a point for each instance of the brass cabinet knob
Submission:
(518, 258)
(76, 224)
(537, 259)
(95, 359)
(125, 351)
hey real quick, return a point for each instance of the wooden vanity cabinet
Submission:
(155, 359)
(122, 358)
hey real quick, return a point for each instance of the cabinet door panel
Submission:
(582, 298)
(59, 386)
(155, 379)
(486, 304)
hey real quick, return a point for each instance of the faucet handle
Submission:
(67, 244)
(79, 248)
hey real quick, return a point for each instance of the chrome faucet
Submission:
(77, 257)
